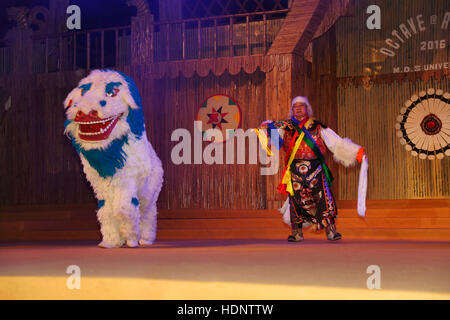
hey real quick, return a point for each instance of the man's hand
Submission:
(265, 124)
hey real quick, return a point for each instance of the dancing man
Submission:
(306, 177)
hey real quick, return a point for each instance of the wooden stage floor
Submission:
(228, 269)
(415, 220)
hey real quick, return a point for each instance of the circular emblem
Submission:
(423, 125)
(219, 112)
(431, 124)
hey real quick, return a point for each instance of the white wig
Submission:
(304, 100)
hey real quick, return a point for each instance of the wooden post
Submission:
(265, 33)
(199, 40)
(248, 34)
(215, 38)
(183, 39)
(231, 36)
(142, 39)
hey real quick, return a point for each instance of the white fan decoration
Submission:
(423, 125)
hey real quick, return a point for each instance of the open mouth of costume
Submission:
(93, 128)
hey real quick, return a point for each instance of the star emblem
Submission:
(216, 118)
(219, 112)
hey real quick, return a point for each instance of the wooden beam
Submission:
(231, 36)
(199, 41)
(215, 38)
(247, 20)
(299, 26)
(183, 37)
(265, 33)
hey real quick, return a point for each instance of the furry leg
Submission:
(109, 228)
(148, 221)
(148, 225)
(126, 210)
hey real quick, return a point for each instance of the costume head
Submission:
(105, 107)
(300, 99)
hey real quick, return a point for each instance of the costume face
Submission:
(299, 110)
(98, 109)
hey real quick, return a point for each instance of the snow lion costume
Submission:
(106, 125)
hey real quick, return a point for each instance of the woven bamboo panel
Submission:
(173, 103)
(368, 116)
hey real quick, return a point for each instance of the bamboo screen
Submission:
(368, 116)
(174, 105)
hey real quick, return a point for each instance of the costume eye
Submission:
(112, 89)
(112, 93)
(85, 87)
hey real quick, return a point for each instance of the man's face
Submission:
(299, 110)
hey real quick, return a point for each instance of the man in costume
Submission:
(306, 177)
(105, 123)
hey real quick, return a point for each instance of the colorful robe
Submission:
(306, 177)
(312, 200)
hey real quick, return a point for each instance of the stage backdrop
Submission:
(374, 86)
(353, 88)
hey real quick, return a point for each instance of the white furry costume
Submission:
(106, 125)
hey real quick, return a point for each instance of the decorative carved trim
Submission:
(234, 65)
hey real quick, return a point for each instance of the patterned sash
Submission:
(309, 140)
